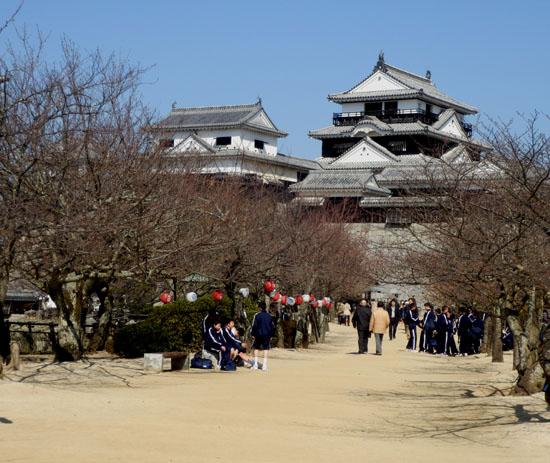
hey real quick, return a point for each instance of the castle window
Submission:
(223, 141)
(166, 143)
(373, 108)
(259, 144)
(397, 146)
(390, 107)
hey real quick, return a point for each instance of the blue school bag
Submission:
(229, 365)
(199, 362)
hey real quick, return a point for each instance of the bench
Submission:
(154, 362)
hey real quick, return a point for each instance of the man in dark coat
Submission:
(361, 321)
(395, 316)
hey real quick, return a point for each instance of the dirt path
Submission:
(326, 404)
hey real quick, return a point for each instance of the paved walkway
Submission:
(325, 404)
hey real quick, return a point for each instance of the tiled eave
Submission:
(195, 128)
(400, 95)
(284, 161)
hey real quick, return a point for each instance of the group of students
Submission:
(438, 328)
(224, 340)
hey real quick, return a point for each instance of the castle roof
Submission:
(400, 85)
(251, 116)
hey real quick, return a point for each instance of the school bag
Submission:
(199, 362)
(229, 365)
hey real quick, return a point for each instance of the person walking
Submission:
(347, 313)
(361, 321)
(394, 313)
(379, 322)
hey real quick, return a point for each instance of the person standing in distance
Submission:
(379, 323)
(262, 331)
(361, 321)
(395, 316)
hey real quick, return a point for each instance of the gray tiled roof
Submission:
(443, 118)
(331, 131)
(418, 87)
(215, 117)
(407, 128)
(359, 181)
(392, 201)
(279, 160)
(389, 157)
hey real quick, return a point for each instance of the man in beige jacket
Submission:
(379, 323)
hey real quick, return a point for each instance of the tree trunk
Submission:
(15, 357)
(526, 347)
(99, 338)
(4, 327)
(488, 332)
(496, 352)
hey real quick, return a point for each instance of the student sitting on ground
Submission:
(232, 339)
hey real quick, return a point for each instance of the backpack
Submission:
(199, 362)
(229, 365)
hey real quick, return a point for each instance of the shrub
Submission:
(172, 327)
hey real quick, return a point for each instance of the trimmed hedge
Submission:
(172, 327)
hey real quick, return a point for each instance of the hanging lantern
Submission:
(191, 297)
(166, 298)
(305, 297)
(311, 297)
(269, 286)
(324, 302)
(275, 295)
(284, 300)
(290, 301)
(299, 300)
(315, 304)
(244, 292)
(217, 295)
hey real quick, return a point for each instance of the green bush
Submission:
(171, 327)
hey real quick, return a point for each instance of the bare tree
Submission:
(486, 242)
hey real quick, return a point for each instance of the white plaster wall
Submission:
(240, 139)
(379, 81)
(408, 104)
(353, 107)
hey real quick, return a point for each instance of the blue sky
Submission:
(494, 55)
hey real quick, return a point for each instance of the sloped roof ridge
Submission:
(253, 115)
(369, 141)
(391, 68)
(409, 74)
(217, 108)
(198, 139)
(443, 118)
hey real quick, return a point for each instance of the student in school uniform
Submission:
(463, 328)
(215, 343)
(411, 319)
(429, 326)
(232, 339)
(442, 330)
(262, 332)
